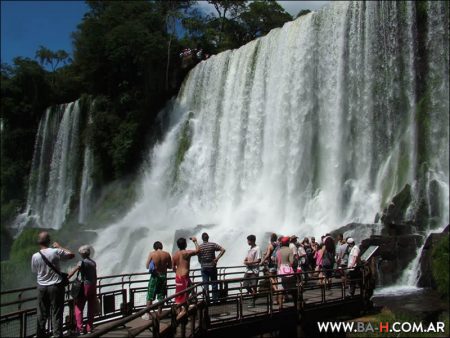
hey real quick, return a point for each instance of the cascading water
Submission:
(87, 183)
(54, 168)
(313, 126)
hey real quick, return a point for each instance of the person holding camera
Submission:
(181, 264)
(46, 264)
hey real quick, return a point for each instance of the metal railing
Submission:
(122, 300)
(18, 306)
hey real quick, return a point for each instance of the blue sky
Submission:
(25, 25)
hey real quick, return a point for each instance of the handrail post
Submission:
(19, 297)
(173, 319)
(270, 295)
(23, 325)
(322, 289)
(362, 284)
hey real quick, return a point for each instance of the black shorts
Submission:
(328, 271)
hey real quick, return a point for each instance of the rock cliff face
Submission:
(395, 253)
(426, 276)
(397, 236)
(398, 246)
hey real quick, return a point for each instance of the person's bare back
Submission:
(182, 258)
(182, 262)
(161, 259)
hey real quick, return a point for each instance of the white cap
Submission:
(350, 240)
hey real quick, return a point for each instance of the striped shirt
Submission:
(207, 254)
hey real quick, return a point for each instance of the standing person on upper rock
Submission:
(46, 264)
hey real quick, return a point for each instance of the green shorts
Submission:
(157, 286)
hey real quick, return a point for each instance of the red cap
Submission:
(285, 240)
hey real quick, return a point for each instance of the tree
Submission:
(261, 17)
(172, 11)
(233, 8)
(49, 57)
(302, 12)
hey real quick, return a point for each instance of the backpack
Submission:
(327, 259)
(273, 256)
(345, 256)
(152, 269)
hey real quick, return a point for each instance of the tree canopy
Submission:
(126, 56)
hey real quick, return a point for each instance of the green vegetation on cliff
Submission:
(440, 264)
(126, 57)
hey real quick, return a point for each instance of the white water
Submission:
(301, 131)
(54, 168)
(87, 183)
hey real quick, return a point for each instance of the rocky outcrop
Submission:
(398, 245)
(394, 254)
(358, 231)
(188, 232)
(396, 209)
(426, 278)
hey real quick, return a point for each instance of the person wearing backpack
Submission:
(46, 264)
(328, 260)
(88, 293)
(270, 259)
(342, 260)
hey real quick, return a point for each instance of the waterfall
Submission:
(52, 181)
(87, 183)
(311, 127)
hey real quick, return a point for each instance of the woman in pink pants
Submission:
(88, 270)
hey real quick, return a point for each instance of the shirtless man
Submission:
(181, 264)
(160, 261)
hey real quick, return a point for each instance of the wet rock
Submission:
(396, 209)
(426, 276)
(188, 232)
(434, 198)
(424, 305)
(6, 243)
(358, 231)
(394, 254)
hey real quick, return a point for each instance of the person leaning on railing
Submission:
(88, 269)
(252, 261)
(208, 262)
(50, 287)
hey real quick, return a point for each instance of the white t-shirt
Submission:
(293, 248)
(46, 275)
(301, 251)
(253, 255)
(352, 259)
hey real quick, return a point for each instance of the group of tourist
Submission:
(285, 255)
(159, 261)
(283, 258)
(196, 52)
(51, 283)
